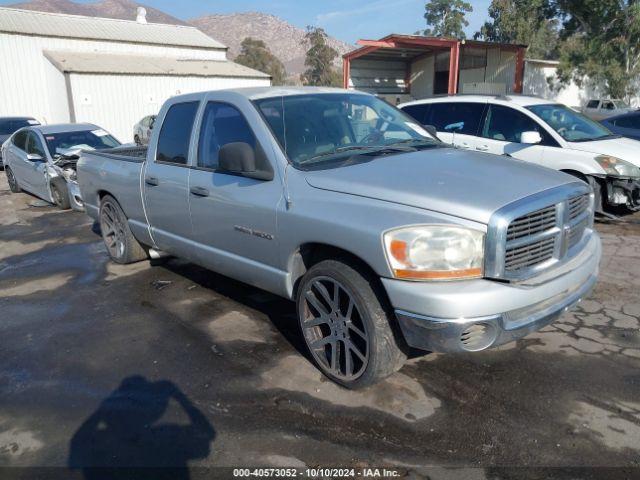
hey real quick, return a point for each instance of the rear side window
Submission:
(175, 136)
(459, 117)
(593, 104)
(221, 124)
(418, 112)
(609, 106)
(20, 140)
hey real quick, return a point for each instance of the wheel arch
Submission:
(309, 254)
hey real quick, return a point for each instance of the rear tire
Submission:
(345, 325)
(60, 194)
(121, 245)
(11, 178)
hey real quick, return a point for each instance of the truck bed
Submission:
(114, 172)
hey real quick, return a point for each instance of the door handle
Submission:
(199, 191)
(482, 148)
(153, 181)
(465, 145)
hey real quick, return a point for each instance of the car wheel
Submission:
(60, 194)
(121, 245)
(345, 326)
(13, 183)
(136, 139)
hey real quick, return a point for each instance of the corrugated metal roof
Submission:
(46, 24)
(84, 62)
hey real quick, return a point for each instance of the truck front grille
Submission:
(535, 240)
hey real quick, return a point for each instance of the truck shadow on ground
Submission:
(125, 437)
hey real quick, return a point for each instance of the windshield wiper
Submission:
(365, 150)
(595, 139)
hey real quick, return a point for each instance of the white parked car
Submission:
(541, 132)
(601, 109)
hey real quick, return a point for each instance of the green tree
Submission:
(601, 42)
(446, 18)
(255, 54)
(319, 60)
(527, 22)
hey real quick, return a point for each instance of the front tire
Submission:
(60, 194)
(345, 326)
(121, 245)
(11, 178)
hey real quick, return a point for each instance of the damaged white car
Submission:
(42, 160)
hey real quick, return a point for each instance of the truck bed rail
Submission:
(125, 154)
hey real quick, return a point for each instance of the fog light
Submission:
(478, 336)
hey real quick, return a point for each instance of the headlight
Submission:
(617, 166)
(435, 252)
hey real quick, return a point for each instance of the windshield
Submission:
(7, 127)
(321, 130)
(61, 143)
(570, 125)
(620, 104)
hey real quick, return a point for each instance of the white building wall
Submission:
(22, 89)
(501, 68)
(541, 80)
(117, 102)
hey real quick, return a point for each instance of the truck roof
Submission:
(256, 93)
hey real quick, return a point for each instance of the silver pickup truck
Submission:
(385, 238)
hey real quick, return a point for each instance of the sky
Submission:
(347, 20)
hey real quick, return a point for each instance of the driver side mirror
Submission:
(34, 157)
(531, 138)
(433, 131)
(237, 157)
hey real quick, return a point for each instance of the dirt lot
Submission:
(102, 364)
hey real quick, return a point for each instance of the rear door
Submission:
(166, 180)
(457, 123)
(233, 216)
(502, 129)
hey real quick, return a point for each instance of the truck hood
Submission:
(624, 148)
(454, 182)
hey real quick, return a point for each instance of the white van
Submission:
(539, 131)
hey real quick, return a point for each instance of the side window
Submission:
(507, 125)
(593, 104)
(20, 140)
(173, 143)
(628, 122)
(419, 112)
(221, 124)
(459, 117)
(34, 147)
(608, 106)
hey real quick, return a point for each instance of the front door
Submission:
(232, 216)
(166, 181)
(502, 130)
(36, 170)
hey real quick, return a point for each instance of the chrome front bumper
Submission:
(480, 314)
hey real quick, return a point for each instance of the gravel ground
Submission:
(172, 365)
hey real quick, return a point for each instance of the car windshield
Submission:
(62, 143)
(7, 127)
(620, 104)
(570, 125)
(328, 130)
